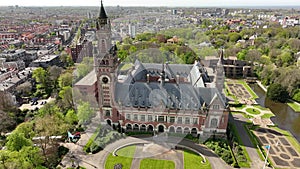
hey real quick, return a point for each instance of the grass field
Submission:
(148, 163)
(260, 107)
(267, 116)
(193, 160)
(295, 106)
(125, 156)
(252, 111)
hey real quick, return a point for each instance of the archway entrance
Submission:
(179, 130)
(194, 131)
(128, 127)
(186, 130)
(136, 127)
(150, 128)
(143, 127)
(108, 122)
(161, 128)
(172, 129)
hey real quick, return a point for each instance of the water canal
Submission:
(286, 118)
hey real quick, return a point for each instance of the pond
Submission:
(286, 118)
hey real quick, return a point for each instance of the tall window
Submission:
(128, 117)
(107, 112)
(135, 117)
(172, 119)
(150, 118)
(195, 120)
(142, 117)
(187, 120)
(103, 46)
(214, 123)
(179, 120)
(161, 118)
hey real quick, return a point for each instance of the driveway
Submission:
(238, 120)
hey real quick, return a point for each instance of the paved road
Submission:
(239, 120)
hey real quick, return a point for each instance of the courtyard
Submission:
(240, 92)
(282, 154)
(153, 156)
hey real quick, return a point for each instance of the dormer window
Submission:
(216, 107)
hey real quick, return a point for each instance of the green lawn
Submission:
(241, 107)
(148, 163)
(125, 156)
(294, 105)
(260, 107)
(267, 116)
(253, 111)
(193, 160)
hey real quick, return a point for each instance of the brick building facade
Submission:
(157, 97)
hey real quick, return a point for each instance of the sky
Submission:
(170, 3)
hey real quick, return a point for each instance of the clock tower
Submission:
(105, 62)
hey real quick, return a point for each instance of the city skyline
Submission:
(170, 3)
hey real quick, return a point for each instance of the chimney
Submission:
(177, 79)
(148, 78)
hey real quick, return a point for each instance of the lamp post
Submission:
(266, 159)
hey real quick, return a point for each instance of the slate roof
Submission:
(192, 94)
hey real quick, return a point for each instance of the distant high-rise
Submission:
(174, 11)
(132, 30)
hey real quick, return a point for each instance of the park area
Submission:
(240, 92)
(150, 156)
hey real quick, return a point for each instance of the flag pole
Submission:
(266, 159)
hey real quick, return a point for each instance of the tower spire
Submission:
(102, 14)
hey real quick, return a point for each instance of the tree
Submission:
(234, 37)
(30, 157)
(7, 122)
(16, 141)
(65, 79)
(242, 54)
(41, 76)
(54, 72)
(66, 97)
(24, 89)
(296, 95)
(253, 55)
(66, 59)
(45, 127)
(84, 67)
(277, 93)
(49, 109)
(26, 128)
(84, 112)
(71, 117)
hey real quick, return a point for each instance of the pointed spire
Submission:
(162, 77)
(102, 14)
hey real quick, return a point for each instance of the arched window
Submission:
(103, 46)
(214, 123)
